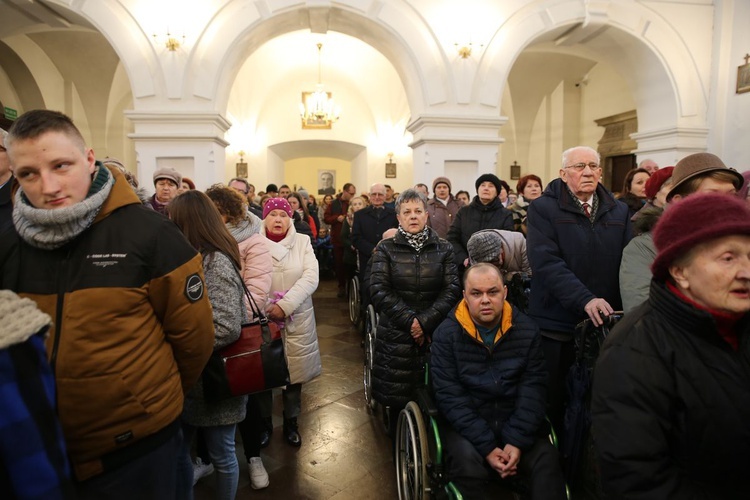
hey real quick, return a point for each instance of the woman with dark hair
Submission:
(503, 193)
(413, 285)
(293, 281)
(299, 205)
(463, 197)
(529, 188)
(200, 222)
(634, 189)
(327, 200)
(256, 267)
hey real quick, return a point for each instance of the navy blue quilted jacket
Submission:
(491, 397)
(572, 259)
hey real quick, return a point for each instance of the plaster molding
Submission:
(681, 139)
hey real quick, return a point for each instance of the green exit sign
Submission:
(10, 113)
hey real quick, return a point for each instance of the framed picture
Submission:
(326, 182)
(390, 170)
(743, 77)
(515, 171)
(242, 169)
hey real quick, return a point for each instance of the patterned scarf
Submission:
(50, 229)
(418, 240)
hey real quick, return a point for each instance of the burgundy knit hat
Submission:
(698, 218)
(656, 181)
(277, 204)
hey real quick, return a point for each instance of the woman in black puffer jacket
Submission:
(414, 284)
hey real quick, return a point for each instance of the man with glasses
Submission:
(576, 234)
(370, 223)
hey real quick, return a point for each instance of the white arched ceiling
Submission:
(648, 51)
(264, 98)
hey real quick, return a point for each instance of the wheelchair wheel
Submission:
(354, 301)
(412, 455)
(370, 329)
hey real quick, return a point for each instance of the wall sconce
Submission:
(241, 166)
(171, 42)
(515, 171)
(390, 168)
(464, 50)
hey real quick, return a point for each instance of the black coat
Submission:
(671, 404)
(406, 284)
(572, 259)
(491, 397)
(368, 228)
(475, 217)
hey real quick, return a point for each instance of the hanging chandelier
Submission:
(317, 109)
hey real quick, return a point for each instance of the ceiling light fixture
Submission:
(317, 109)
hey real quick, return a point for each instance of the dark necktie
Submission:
(586, 210)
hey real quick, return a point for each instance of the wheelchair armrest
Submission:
(426, 402)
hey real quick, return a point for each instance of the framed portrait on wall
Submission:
(326, 182)
(390, 170)
(743, 77)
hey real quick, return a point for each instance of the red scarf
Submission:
(275, 237)
(725, 322)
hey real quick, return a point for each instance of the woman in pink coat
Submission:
(257, 266)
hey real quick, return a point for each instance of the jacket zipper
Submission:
(62, 274)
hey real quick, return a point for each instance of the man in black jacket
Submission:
(6, 184)
(370, 223)
(488, 377)
(484, 212)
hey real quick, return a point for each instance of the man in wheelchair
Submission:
(489, 382)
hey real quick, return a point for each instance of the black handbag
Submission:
(253, 363)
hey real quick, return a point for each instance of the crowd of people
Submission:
(112, 301)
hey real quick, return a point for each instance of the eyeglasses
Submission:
(581, 166)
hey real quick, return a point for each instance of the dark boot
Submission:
(291, 433)
(265, 434)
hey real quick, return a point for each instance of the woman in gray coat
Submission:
(199, 220)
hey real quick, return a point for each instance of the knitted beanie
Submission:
(484, 246)
(442, 180)
(168, 173)
(488, 178)
(303, 193)
(698, 218)
(656, 180)
(277, 204)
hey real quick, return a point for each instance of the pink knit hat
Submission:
(277, 204)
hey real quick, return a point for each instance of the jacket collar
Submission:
(121, 194)
(687, 317)
(464, 319)
(495, 204)
(558, 189)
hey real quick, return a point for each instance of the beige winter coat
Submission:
(295, 273)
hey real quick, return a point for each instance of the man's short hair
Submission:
(34, 123)
(347, 186)
(283, 186)
(567, 152)
(387, 186)
(481, 266)
(243, 181)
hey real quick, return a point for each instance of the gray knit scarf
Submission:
(50, 229)
(418, 240)
(242, 230)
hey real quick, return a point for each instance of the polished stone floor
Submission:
(345, 452)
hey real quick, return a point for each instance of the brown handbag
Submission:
(253, 363)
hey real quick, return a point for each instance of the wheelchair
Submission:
(355, 300)
(371, 327)
(420, 469)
